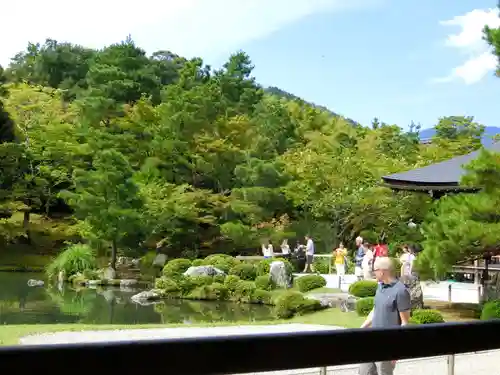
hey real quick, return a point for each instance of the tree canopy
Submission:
(130, 149)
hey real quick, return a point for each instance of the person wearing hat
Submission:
(391, 308)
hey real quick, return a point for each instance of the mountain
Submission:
(489, 133)
(283, 94)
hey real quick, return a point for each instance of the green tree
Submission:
(107, 200)
(464, 226)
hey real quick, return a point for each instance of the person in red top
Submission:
(380, 251)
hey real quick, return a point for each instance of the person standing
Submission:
(367, 263)
(360, 254)
(407, 262)
(309, 254)
(285, 249)
(340, 254)
(391, 308)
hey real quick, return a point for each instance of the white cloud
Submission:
(186, 27)
(469, 41)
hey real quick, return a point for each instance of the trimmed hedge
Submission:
(223, 262)
(176, 267)
(491, 310)
(426, 316)
(292, 302)
(244, 271)
(197, 262)
(364, 306)
(264, 283)
(310, 282)
(363, 288)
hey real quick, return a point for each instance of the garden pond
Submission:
(24, 304)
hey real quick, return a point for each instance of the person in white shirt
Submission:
(267, 250)
(366, 264)
(406, 261)
(285, 249)
(309, 254)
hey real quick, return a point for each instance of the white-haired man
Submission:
(391, 309)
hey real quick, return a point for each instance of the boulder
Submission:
(203, 271)
(33, 282)
(416, 294)
(127, 283)
(280, 275)
(108, 273)
(147, 295)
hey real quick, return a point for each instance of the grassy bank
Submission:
(10, 334)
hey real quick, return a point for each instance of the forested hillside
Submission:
(123, 150)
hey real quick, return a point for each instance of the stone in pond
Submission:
(279, 274)
(147, 295)
(127, 283)
(33, 282)
(203, 271)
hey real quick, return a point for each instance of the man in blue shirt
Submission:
(360, 253)
(391, 309)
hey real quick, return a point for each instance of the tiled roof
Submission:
(447, 173)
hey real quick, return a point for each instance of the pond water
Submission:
(22, 304)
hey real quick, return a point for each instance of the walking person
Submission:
(309, 254)
(391, 309)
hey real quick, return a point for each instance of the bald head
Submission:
(383, 264)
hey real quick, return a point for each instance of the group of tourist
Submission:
(308, 248)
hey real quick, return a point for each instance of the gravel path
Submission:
(482, 363)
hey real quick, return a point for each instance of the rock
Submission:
(203, 271)
(109, 273)
(147, 295)
(339, 300)
(127, 283)
(416, 294)
(160, 260)
(279, 274)
(33, 282)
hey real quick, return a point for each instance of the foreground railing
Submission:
(256, 352)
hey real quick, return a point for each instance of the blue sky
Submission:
(392, 59)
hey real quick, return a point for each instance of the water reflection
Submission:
(21, 304)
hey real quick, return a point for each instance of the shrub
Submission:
(176, 267)
(219, 279)
(262, 296)
(201, 280)
(426, 316)
(221, 261)
(186, 284)
(264, 283)
(321, 265)
(76, 258)
(197, 262)
(491, 310)
(364, 306)
(264, 265)
(217, 291)
(292, 302)
(244, 291)
(91, 274)
(363, 288)
(231, 281)
(199, 293)
(310, 282)
(244, 271)
(169, 287)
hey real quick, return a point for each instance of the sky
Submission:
(400, 61)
